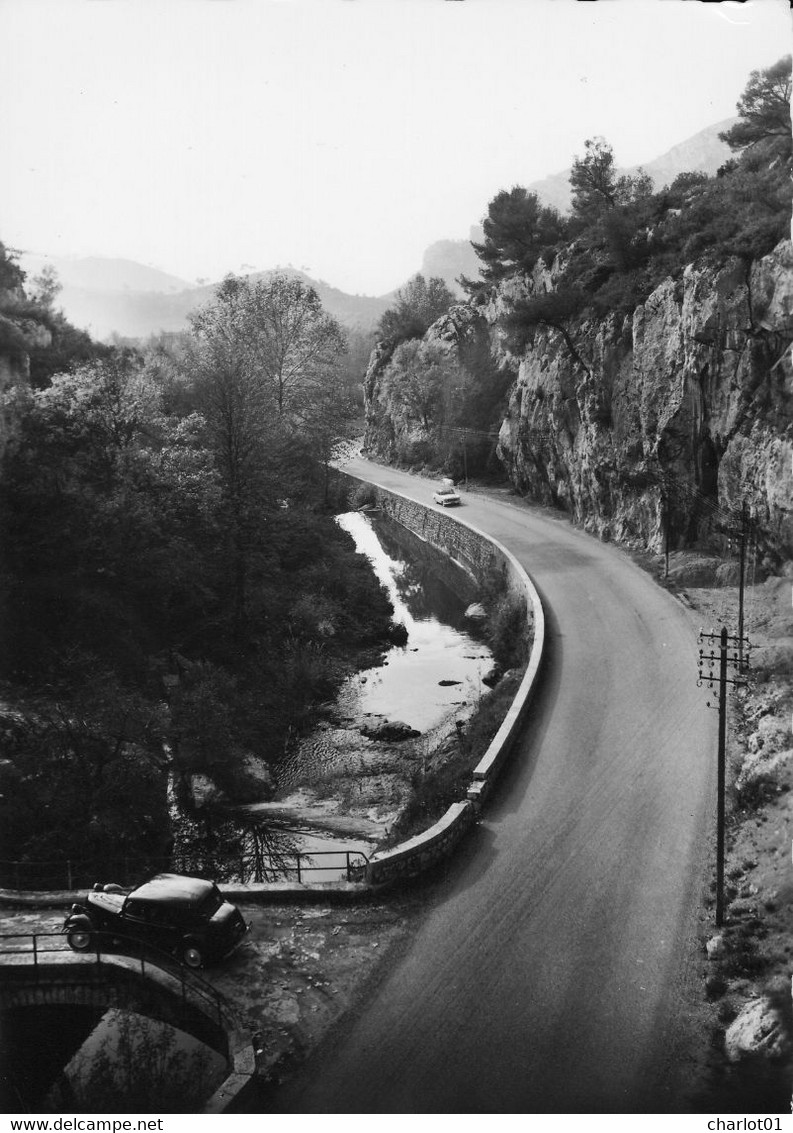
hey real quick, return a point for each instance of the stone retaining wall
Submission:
(482, 558)
(424, 850)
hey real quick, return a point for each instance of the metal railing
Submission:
(76, 874)
(31, 949)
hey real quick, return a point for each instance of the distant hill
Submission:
(100, 273)
(449, 259)
(107, 296)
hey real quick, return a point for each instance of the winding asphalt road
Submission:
(552, 972)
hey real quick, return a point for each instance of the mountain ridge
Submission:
(113, 295)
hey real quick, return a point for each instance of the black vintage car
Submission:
(182, 915)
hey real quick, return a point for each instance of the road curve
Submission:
(551, 974)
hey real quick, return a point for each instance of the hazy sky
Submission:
(343, 136)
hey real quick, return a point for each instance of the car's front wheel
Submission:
(192, 956)
(79, 939)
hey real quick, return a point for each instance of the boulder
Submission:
(772, 734)
(475, 612)
(758, 1031)
(715, 947)
(694, 570)
(762, 767)
(493, 676)
(390, 731)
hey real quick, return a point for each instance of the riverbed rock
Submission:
(475, 612)
(493, 676)
(390, 731)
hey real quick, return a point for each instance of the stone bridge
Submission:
(98, 980)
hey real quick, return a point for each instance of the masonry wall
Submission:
(482, 559)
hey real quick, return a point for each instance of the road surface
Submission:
(551, 974)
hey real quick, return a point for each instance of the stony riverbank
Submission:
(386, 790)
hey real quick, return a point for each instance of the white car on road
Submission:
(446, 495)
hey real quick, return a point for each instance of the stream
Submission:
(422, 684)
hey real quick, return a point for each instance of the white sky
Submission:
(342, 136)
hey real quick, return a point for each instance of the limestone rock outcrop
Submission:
(392, 431)
(680, 413)
(648, 428)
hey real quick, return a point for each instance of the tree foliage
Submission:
(596, 188)
(266, 365)
(555, 309)
(517, 229)
(417, 306)
(764, 113)
(273, 332)
(12, 277)
(145, 536)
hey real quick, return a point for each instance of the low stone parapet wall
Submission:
(424, 851)
(482, 558)
(501, 745)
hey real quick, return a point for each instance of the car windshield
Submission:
(210, 904)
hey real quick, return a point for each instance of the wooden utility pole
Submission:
(739, 663)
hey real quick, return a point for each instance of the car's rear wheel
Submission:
(191, 956)
(79, 939)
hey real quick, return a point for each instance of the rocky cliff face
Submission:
(663, 421)
(671, 417)
(392, 431)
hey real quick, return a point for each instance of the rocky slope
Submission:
(669, 418)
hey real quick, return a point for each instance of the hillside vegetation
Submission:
(175, 597)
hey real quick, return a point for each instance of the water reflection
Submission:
(62, 1058)
(407, 685)
(213, 843)
(250, 845)
(132, 1064)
